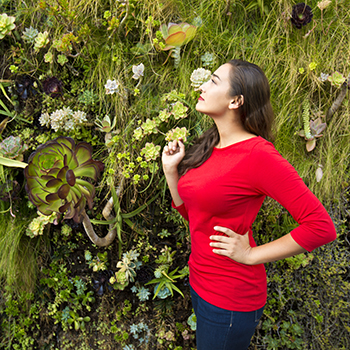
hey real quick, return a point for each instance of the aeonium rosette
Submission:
(55, 177)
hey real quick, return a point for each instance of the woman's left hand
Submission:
(234, 246)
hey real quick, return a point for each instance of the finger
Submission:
(218, 245)
(218, 238)
(225, 230)
(181, 146)
(173, 145)
(166, 150)
(220, 252)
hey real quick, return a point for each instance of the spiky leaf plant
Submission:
(55, 177)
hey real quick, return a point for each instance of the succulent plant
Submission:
(53, 87)
(128, 267)
(143, 294)
(6, 25)
(192, 321)
(322, 5)
(41, 40)
(30, 34)
(176, 134)
(163, 293)
(175, 36)
(301, 15)
(179, 110)
(208, 59)
(63, 119)
(336, 79)
(12, 148)
(316, 127)
(111, 87)
(138, 71)
(106, 125)
(150, 151)
(199, 76)
(55, 175)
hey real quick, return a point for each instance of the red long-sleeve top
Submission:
(228, 190)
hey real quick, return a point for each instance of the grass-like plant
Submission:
(18, 266)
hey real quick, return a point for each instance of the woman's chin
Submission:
(198, 107)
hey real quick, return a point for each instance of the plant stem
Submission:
(108, 239)
(338, 101)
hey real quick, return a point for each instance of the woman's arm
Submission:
(172, 155)
(272, 175)
(237, 247)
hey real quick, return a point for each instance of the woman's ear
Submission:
(236, 102)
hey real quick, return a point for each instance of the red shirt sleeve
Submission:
(181, 209)
(273, 176)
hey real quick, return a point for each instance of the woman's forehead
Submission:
(223, 71)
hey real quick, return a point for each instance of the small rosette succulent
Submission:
(13, 148)
(301, 15)
(336, 79)
(176, 35)
(177, 134)
(6, 25)
(315, 129)
(53, 87)
(199, 77)
(55, 175)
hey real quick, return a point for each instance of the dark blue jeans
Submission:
(220, 329)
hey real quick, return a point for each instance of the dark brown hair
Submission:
(257, 116)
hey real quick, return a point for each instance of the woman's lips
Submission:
(200, 98)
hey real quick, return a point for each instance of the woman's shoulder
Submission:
(261, 145)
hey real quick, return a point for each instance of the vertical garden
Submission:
(92, 256)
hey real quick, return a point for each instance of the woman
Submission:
(219, 186)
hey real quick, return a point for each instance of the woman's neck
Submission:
(231, 133)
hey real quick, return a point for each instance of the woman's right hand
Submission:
(172, 155)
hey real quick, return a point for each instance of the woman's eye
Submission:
(212, 81)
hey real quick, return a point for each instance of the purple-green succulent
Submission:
(55, 177)
(316, 127)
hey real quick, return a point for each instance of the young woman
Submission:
(219, 185)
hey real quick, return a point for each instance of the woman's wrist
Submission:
(170, 170)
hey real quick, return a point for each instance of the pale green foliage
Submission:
(127, 270)
(48, 57)
(176, 134)
(30, 34)
(337, 79)
(12, 148)
(62, 59)
(41, 40)
(63, 119)
(306, 118)
(66, 230)
(192, 321)
(149, 126)
(199, 77)
(6, 25)
(37, 225)
(179, 110)
(150, 151)
(98, 263)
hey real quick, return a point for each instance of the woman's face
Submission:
(214, 99)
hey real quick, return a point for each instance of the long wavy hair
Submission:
(256, 113)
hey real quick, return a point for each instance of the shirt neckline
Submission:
(236, 143)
